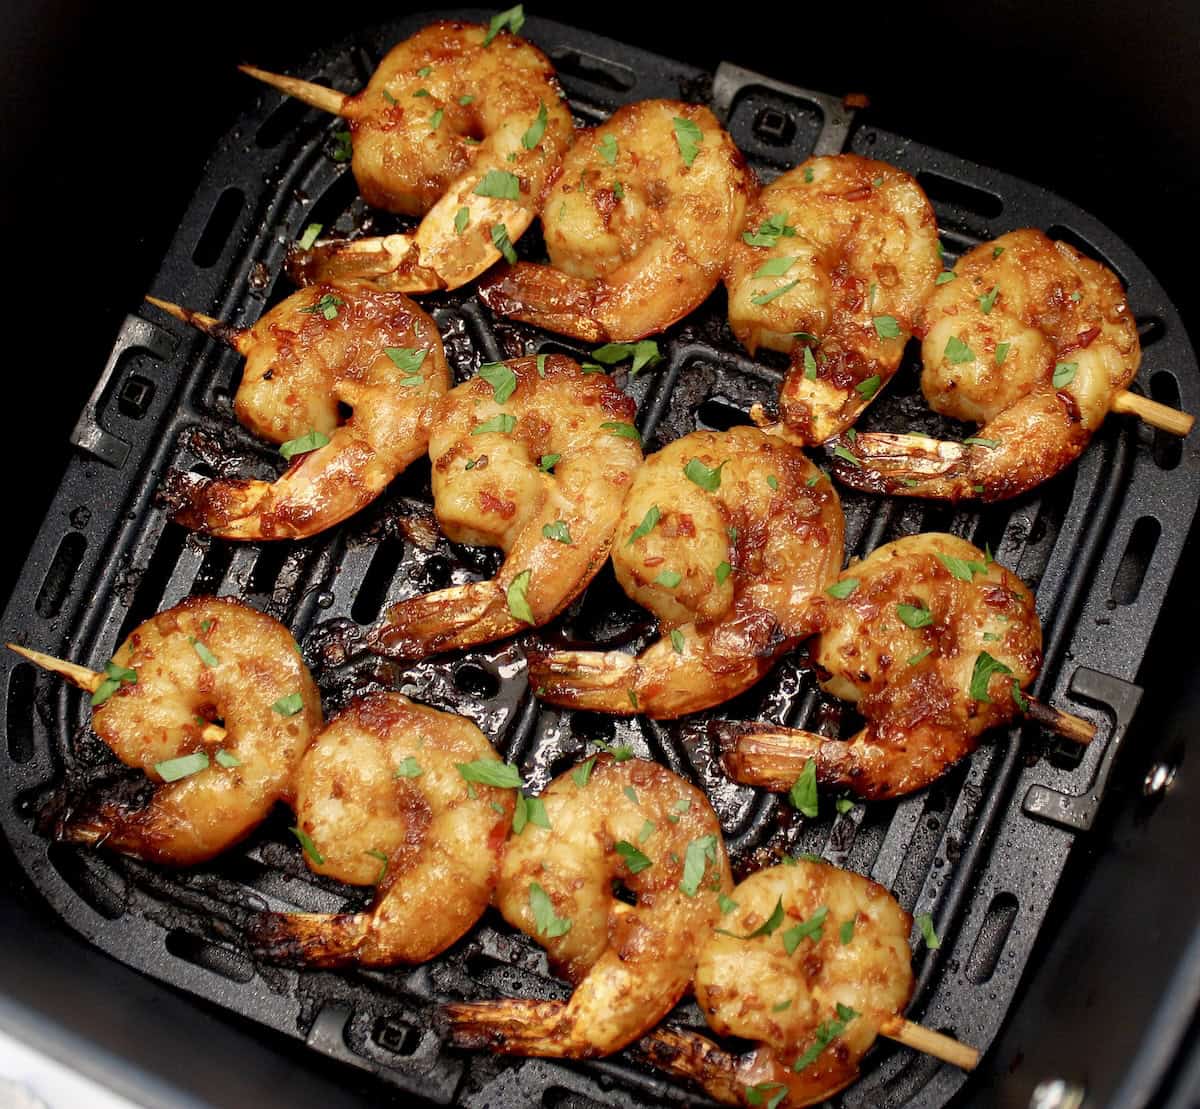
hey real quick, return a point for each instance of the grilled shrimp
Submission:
(638, 226)
(532, 456)
(838, 256)
(466, 132)
(631, 822)
(207, 659)
(321, 348)
(381, 800)
(723, 536)
(1030, 339)
(812, 963)
(933, 642)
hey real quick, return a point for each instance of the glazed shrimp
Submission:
(532, 456)
(634, 822)
(934, 643)
(376, 353)
(837, 259)
(209, 658)
(466, 132)
(381, 800)
(638, 226)
(1033, 341)
(811, 963)
(724, 536)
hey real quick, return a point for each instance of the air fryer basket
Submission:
(982, 850)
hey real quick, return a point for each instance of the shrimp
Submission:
(638, 226)
(723, 536)
(810, 962)
(532, 456)
(207, 659)
(457, 126)
(632, 822)
(376, 353)
(390, 795)
(933, 642)
(1030, 339)
(838, 257)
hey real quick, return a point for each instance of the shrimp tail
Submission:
(731, 1079)
(773, 758)
(516, 1026)
(309, 939)
(228, 509)
(661, 683)
(390, 264)
(548, 298)
(444, 621)
(907, 465)
(603, 681)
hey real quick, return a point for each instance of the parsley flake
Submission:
(497, 425)
(842, 589)
(511, 20)
(669, 579)
(886, 327)
(688, 137)
(289, 705)
(770, 231)
(766, 298)
(699, 853)
(502, 243)
(405, 359)
(518, 603)
(635, 861)
(306, 843)
(677, 640)
(622, 430)
(706, 477)
(309, 237)
(171, 770)
(608, 149)
(776, 267)
(810, 365)
(957, 351)
(644, 354)
(314, 440)
(649, 521)
(537, 129)
(408, 768)
(803, 793)
(502, 380)
(988, 301)
(490, 772)
(722, 572)
(1002, 352)
(558, 531)
(914, 616)
(1064, 374)
(985, 667)
(545, 920)
(869, 387)
(813, 929)
(462, 219)
(925, 922)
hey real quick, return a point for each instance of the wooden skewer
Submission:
(1070, 727)
(91, 680)
(317, 96)
(940, 1046)
(218, 329)
(1155, 414)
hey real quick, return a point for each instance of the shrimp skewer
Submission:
(449, 124)
(838, 257)
(207, 658)
(934, 643)
(532, 456)
(638, 226)
(319, 349)
(634, 822)
(813, 963)
(724, 536)
(388, 795)
(1031, 340)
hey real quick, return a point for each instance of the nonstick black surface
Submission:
(1122, 449)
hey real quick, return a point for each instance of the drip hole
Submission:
(282, 122)
(1167, 449)
(475, 681)
(20, 713)
(220, 960)
(1150, 330)
(595, 70)
(219, 227)
(378, 579)
(720, 414)
(59, 578)
(100, 887)
(267, 567)
(1139, 551)
(154, 579)
(217, 560)
(969, 198)
(993, 934)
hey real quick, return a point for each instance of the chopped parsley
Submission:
(649, 521)
(868, 388)
(490, 772)
(545, 920)
(957, 351)
(408, 768)
(497, 425)
(827, 1032)
(635, 861)
(289, 705)
(537, 129)
(1064, 374)
(985, 667)
(461, 219)
(502, 380)
(699, 853)
(803, 793)
(925, 922)
(558, 531)
(518, 604)
(608, 149)
(171, 770)
(722, 572)
(306, 843)
(842, 589)
(914, 616)
(766, 928)
(766, 298)
(309, 237)
(622, 430)
(644, 354)
(770, 231)
(708, 478)
(886, 327)
(688, 137)
(511, 20)
(502, 243)
(314, 440)
(813, 928)
(669, 579)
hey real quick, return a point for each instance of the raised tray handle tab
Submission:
(88, 435)
(836, 118)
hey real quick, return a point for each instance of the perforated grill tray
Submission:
(981, 851)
